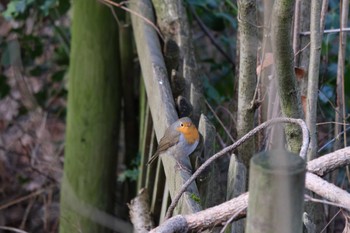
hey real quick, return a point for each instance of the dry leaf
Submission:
(299, 73)
(266, 62)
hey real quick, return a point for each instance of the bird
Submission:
(182, 135)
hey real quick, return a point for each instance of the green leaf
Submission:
(195, 198)
(16, 7)
(47, 6)
(131, 174)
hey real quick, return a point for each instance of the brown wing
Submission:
(165, 143)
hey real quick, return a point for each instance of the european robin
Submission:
(182, 135)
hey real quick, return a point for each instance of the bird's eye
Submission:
(182, 124)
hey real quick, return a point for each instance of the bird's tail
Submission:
(154, 157)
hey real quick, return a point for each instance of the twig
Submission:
(296, 27)
(338, 30)
(329, 101)
(232, 218)
(120, 5)
(220, 122)
(330, 221)
(18, 200)
(211, 38)
(331, 141)
(12, 229)
(301, 50)
(26, 213)
(323, 14)
(332, 122)
(250, 134)
(309, 198)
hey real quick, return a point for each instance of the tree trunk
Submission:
(88, 184)
(314, 67)
(282, 16)
(247, 75)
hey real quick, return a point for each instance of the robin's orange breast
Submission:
(189, 132)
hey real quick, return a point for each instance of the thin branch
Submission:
(301, 50)
(220, 122)
(331, 141)
(246, 137)
(309, 198)
(12, 229)
(338, 30)
(323, 14)
(121, 6)
(330, 221)
(313, 76)
(232, 218)
(18, 200)
(211, 38)
(341, 65)
(296, 28)
(332, 122)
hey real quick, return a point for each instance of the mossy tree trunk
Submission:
(289, 94)
(92, 121)
(247, 75)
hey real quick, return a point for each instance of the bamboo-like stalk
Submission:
(247, 75)
(340, 94)
(302, 49)
(313, 77)
(282, 16)
(340, 101)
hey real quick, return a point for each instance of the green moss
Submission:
(195, 198)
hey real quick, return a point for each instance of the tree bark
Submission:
(283, 11)
(247, 75)
(92, 120)
(314, 67)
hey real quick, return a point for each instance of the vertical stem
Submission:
(247, 74)
(282, 17)
(296, 28)
(314, 66)
(340, 101)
